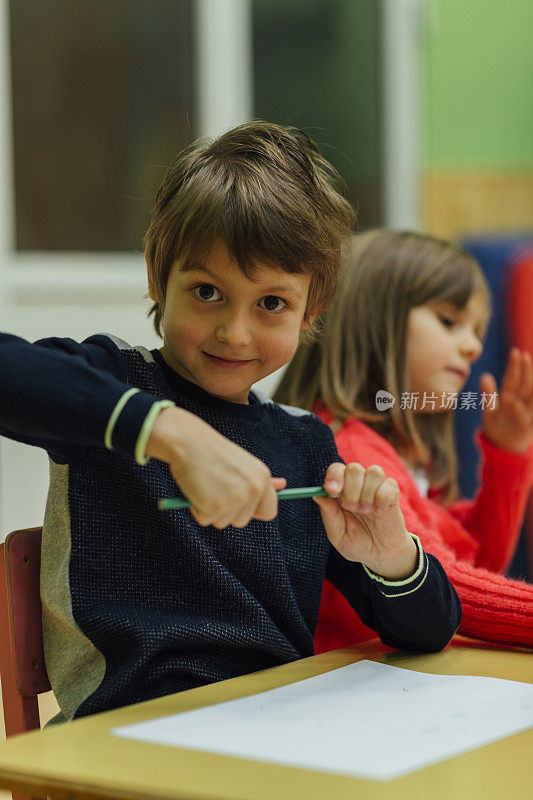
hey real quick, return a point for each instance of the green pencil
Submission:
(167, 503)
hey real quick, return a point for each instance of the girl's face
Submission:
(442, 342)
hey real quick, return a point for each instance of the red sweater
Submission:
(473, 539)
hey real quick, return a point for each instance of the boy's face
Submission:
(224, 331)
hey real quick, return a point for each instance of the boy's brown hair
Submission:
(263, 189)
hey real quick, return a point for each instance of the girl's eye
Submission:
(207, 292)
(448, 322)
(272, 303)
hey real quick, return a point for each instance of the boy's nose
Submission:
(233, 330)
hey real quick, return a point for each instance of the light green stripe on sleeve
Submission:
(115, 415)
(409, 591)
(405, 581)
(144, 434)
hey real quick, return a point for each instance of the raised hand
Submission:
(364, 522)
(509, 425)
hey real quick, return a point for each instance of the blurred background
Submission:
(424, 106)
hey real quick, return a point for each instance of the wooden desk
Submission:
(82, 759)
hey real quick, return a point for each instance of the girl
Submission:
(409, 318)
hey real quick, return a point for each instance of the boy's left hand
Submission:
(509, 425)
(364, 522)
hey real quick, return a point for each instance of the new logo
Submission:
(384, 400)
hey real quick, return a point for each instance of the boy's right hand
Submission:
(224, 482)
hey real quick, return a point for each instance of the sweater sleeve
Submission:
(64, 396)
(420, 613)
(494, 608)
(495, 516)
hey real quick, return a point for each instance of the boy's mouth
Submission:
(228, 363)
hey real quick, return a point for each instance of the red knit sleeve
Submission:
(494, 607)
(495, 516)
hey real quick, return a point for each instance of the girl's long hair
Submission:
(361, 345)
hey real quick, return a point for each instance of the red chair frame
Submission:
(22, 667)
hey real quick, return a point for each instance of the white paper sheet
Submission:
(368, 719)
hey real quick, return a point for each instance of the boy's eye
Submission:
(207, 292)
(272, 303)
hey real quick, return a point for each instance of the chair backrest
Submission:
(22, 668)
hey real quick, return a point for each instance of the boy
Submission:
(242, 252)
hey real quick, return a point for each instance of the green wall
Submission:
(478, 85)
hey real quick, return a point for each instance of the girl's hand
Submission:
(509, 425)
(364, 522)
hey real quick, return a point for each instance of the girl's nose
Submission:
(233, 329)
(471, 346)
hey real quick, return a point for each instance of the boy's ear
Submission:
(151, 288)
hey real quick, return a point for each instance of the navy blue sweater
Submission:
(138, 602)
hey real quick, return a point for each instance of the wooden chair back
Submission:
(22, 668)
